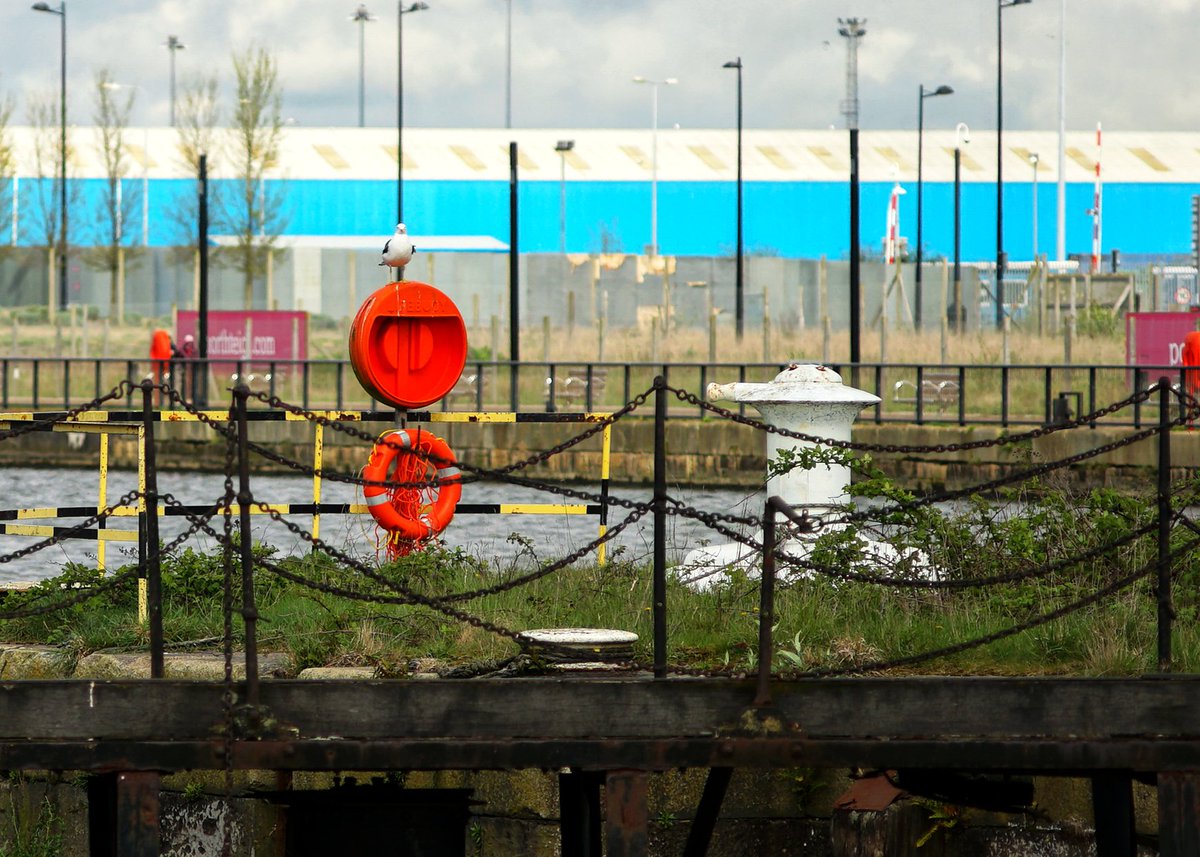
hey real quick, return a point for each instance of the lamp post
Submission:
(562, 147)
(1033, 162)
(508, 70)
(1000, 7)
(61, 11)
(739, 282)
(962, 135)
(361, 17)
(1060, 244)
(853, 29)
(654, 84)
(921, 96)
(401, 11)
(172, 44)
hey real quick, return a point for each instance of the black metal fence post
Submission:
(1164, 525)
(766, 608)
(244, 498)
(660, 527)
(153, 570)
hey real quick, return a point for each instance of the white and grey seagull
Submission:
(398, 251)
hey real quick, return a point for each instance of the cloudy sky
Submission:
(1130, 65)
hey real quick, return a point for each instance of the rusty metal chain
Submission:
(82, 595)
(68, 532)
(680, 510)
(411, 595)
(25, 426)
(438, 604)
(478, 474)
(1000, 482)
(539, 458)
(1045, 570)
(693, 399)
(879, 666)
(109, 582)
(986, 639)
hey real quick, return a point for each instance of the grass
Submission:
(820, 624)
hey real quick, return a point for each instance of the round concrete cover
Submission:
(580, 636)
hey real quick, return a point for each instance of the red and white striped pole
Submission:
(1096, 196)
(892, 241)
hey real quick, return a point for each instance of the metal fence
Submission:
(913, 393)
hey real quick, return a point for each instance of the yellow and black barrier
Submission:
(131, 423)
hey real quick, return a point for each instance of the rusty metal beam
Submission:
(627, 821)
(1179, 813)
(1051, 725)
(579, 813)
(819, 710)
(1112, 809)
(137, 814)
(705, 822)
(1064, 756)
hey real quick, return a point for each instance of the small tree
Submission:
(8, 170)
(252, 213)
(196, 117)
(111, 117)
(43, 217)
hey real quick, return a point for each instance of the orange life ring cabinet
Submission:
(400, 510)
(408, 344)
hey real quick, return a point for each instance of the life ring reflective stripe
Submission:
(428, 448)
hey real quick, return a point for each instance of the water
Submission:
(549, 537)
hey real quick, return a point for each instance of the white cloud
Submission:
(572, 59)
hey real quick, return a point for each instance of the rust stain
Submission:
(871, 794)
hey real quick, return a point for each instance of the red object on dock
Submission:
(408, 344)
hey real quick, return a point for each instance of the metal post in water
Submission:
(244, 497)
(152, 568)
(1164, 525)
(660, 527)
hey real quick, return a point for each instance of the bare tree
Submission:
(196, 116)
(42, 217)
(251, 212)
(113, 105)
(8, 171)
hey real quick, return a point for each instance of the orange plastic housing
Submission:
(408, 344)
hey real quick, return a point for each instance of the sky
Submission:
(1130, 65)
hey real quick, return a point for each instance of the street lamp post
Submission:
(1033, 162)
(172, 44)
(562, 147)
(654, 84)
(401, 11)
(739, 281)
(921, 96)
(508, 70)
(61, 11)
(361, 17)
(1000, 259)
(962, 135)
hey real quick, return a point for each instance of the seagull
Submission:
(398, 250)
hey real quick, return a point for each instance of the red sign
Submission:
(1155, 339)
(249, 335)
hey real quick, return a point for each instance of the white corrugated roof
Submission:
(470, 154)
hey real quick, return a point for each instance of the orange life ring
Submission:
(406, 516)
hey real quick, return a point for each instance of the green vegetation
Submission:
(31, 822)
(823, 622)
